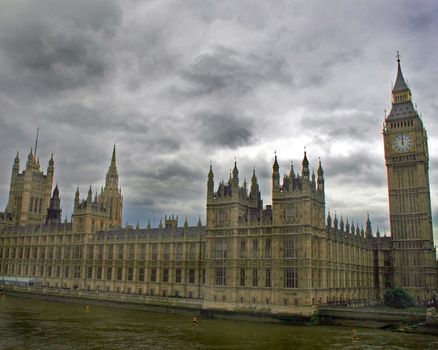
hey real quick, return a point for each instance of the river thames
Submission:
(35, 324)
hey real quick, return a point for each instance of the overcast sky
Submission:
(177, 84)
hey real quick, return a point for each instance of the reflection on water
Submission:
(34, 324)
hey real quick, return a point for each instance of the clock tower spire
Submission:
(407, 162)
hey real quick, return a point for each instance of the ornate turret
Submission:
(329, 220)
(30, 161)
(320, 174)
(210, 183)
(275, 176)
(54, 211)
(368, 229)
(235, 180)
(16, 166)
(291, 173)
(77, 198)
(51, 166)
(90, 196)
(305, 171)
(335, 222)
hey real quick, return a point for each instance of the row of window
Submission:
(289, 244)
(401, 124)
(99, 272)
(35, 205)
(290, 278)
(119, 250)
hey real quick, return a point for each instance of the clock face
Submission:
(402, 143)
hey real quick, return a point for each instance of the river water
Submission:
(36, 324)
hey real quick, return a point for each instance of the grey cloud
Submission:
(225, 130)
(226, 71)
(56, 45)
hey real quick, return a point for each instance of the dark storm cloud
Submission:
(225, 130)
(359, 167)
(225, 70)
(54, 46)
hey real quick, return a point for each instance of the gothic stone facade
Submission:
(284, 258)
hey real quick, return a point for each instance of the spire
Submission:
(368, 229)
(56, 192)
(347, 226)
(329, 220)
(400, 84)
(51, 167)
(77, 198)
(253, 177)
(402, 107)
(90, 195)
(305, 171)
(112, 176)
(341, 224)
(36, 140)
(320, 172)
(113, 158)
(16, 166)
(291, 173)
(275, 176)
(210, 183)
(335, 222)
(235, 171)
(275, 166)
(54, 211)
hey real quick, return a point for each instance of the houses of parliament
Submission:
(284, 258)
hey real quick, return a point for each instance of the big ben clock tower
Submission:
(407, 162)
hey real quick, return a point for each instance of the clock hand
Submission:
(402, 141)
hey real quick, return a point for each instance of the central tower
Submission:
(407, 162)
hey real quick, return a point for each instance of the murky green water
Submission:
(34, 324)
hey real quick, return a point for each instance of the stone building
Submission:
(285, 258)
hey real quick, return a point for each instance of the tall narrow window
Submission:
(192, 251)
(242, 277)
(290, 247)
(220, 276)
(141, 274)
(154, 274)
(165, 275)
(191, 275)
(179, 251)
(268, 253)
(290, 277)
(154, 251)
(178, 275)
(255, 248)
(255, 277)
(166, 251)
(243, 248)
(268, 282)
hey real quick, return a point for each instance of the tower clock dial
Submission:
(402, 143)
